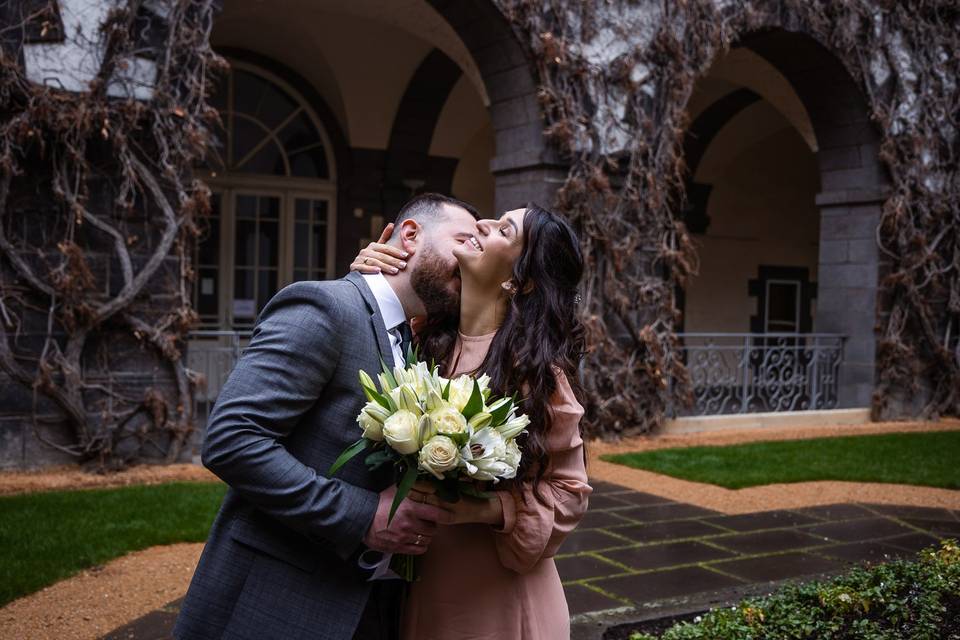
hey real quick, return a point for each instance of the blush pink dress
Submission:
(483, 583)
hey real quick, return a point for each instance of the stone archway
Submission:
(523, 168)
(853, 186)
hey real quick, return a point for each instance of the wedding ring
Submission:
(419, 540)
(366, 261)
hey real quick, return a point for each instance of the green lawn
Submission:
(45, 537)
(929, 459)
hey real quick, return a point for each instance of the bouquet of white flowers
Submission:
(449, 431)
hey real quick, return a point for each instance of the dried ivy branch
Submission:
(121, 200)
(615, 79)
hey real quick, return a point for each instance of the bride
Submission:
(491, 573)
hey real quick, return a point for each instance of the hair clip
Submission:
(576, 298)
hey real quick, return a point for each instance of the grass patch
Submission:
(927, 459)
(45, 537)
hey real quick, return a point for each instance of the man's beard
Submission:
(431, 282)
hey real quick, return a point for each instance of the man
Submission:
(281, 559)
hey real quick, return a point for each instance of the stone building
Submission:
(335, 112)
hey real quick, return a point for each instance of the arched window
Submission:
(273, 181)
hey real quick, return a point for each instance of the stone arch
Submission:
(523, 168)
(853, 185)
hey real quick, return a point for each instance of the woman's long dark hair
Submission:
(541, 331)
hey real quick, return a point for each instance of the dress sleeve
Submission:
(533, 527)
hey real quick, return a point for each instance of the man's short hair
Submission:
(429, 206)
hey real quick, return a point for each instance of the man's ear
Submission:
(411, 234)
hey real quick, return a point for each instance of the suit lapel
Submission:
(376, 319)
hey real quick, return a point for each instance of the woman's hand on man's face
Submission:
(380, 257)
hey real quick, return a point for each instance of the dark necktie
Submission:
(406, 338)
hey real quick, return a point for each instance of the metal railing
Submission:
(757, 372)
(729, 372)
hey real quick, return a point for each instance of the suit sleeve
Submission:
(291, 357)
(535, 526)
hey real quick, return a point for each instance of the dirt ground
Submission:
(63, 478)
(101, 599)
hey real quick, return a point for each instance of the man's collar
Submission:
(390, 308)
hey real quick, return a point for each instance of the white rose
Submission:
(460, 391)
(447, 421)
(484, 456)
(371, 420)
(402, 432)
(438, 455)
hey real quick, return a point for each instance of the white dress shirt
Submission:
(390, 310)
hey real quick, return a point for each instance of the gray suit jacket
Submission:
(280, 561)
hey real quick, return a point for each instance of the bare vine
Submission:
(115, 225)
(615, 79)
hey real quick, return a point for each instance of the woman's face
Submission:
(488, 257)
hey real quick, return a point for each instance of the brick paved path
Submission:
(638, 551)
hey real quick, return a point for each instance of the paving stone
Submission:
(669, 511)
(664, 531)
(600, 519)
(156, 625)
(600, 503)
(837, 512)
(639, 498)
(762, 520)
(646, 587)
(789, 565)
(904, 511)
(913, 542)
(666, 555)
(856, 552)
(581, 567)
(590, 540)
(604, 488)
(854, 530)
(581, 599)
(942, 528)
(768, 541)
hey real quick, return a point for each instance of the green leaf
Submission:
(500, 414)
(378, 458)
(347, 455)
(388, 374)
(475, 403)
(446, 390)
(384, 401)
(406, 483)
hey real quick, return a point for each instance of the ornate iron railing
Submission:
(757, 372)
(729, 372)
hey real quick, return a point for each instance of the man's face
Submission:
(436, 278)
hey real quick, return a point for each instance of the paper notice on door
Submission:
(244, 308)
(206, 286)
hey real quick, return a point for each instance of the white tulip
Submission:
(513, 427)
(439, 455)
(460, 391)
(371, 420)
(512, 458)
(402, 432)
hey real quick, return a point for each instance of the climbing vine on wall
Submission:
(615, 79)
(98, 213)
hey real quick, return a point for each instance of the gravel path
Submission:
(63, 478)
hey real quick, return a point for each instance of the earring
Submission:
(508, 287)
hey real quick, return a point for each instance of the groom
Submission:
(281, 559)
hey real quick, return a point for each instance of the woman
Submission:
(491, 574)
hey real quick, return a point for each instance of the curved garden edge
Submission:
(774, 496)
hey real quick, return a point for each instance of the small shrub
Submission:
(918, 600)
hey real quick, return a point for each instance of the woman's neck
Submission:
(481, 311)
